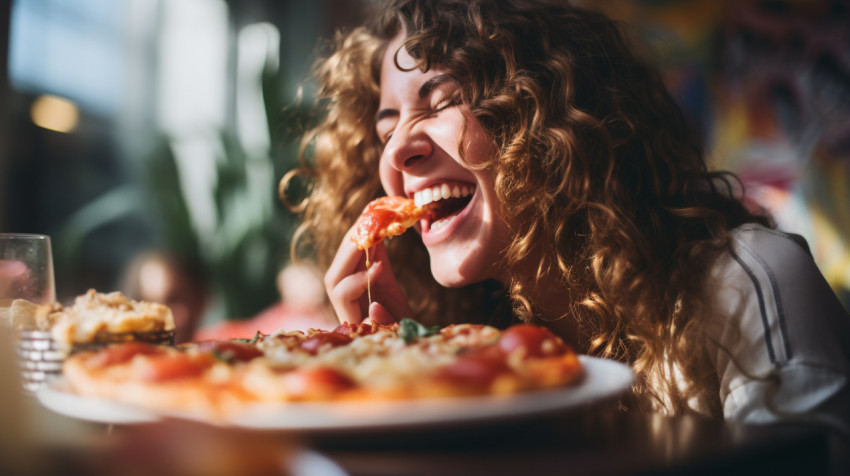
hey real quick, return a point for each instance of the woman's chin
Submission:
(455, 273)
(448, 282)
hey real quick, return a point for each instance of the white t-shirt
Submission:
(786, 334)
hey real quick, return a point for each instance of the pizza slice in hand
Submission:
(385, 217)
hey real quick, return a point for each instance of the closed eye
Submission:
(451, 100)
(442, 93)
(384, 123)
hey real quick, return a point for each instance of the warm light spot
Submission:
(54, 113)
(154, 280)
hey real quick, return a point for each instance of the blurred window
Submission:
(69, 48)
(193, 66)
(193, 54)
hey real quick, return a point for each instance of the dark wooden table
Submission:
(599, 440)
(603, 440)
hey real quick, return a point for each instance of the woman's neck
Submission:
(555, 306)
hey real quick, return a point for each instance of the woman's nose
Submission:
(407, 147)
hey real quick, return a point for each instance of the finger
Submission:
(379, 314)
(348, 298)
(346, 261)
(386, 290)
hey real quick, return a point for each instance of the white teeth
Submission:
(445, 191)
(441, 192)
(440, 224)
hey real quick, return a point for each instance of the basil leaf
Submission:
(225, 356)
(410, 330)
(249, 341)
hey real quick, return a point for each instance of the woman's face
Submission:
(421, 130)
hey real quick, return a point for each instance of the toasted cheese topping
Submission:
(380, 360)
(94, 312)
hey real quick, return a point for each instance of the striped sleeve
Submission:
(784, 347)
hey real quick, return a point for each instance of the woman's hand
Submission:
(346, 284)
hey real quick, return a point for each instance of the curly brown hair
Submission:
(597, 170)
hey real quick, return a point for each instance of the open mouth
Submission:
(443, 203)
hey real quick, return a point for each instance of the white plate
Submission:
(603, 379)
(57, 397)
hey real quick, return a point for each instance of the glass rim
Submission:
(36, 236)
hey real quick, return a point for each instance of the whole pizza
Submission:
(404, 360)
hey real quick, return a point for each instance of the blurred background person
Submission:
(303, 305)
(172, 280)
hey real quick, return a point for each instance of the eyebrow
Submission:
(432, 83)
(385, 113)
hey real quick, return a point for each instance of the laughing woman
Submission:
(571, 194)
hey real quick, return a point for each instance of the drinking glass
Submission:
(26, 272)
(26, 268)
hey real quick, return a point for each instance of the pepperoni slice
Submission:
(345, 328)
(121, 353)
(324, 340)
(535, 341)
(316, 382)
(477, 368)
(352, 330)
(172, 366)
(230, 351)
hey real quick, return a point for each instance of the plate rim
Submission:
(57, 397)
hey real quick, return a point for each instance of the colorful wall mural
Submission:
(768, 84)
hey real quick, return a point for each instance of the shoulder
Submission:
(754, 244)
(770, 266)
(767, 283)
(783, 335)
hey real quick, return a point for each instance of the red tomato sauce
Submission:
(121, 353)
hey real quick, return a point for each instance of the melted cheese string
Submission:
(368, 280)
